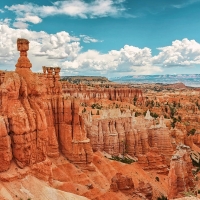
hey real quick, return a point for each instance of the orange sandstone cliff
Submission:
(38, 118)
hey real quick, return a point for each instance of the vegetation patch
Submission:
(192, 131)
(195, 164)
(154, 115)
(157, 179)
(162, 198)
(96, 106)
(137, 114)
(189, 193)
(123, 160)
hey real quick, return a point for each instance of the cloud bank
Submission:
(62, 49)
(183, 53)
(45, 49)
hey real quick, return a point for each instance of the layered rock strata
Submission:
(115, 94)
(5, 145)
(123, 133)
(73, 141)
(180, 177)
(122, 183)
(125, 184)
(146, 190)
(36, 119)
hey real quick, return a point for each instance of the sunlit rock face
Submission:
(180, 177)
(160, 138)
(35, 119)
(122, 183)
(5, 148)
(122, 133)
(114, 94)
(73, 141)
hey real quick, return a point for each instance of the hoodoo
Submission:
(37, 118)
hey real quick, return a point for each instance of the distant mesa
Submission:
(86, 79)
(177, 85)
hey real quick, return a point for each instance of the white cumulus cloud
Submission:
(181, 53)
(30, 18)
(20, 24)
(62, 49)
(5, 21)
(128, 60)
(45, 49)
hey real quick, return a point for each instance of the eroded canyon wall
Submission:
(36, 119)
(115, 93)
(123, 133)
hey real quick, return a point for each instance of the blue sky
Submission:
(104, 37)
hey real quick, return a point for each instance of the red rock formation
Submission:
(23, 47)
(5, 148)
(153, 160)
(115, 94)
(160, 138)
(43, 170)
(52, 148)
(74, 143)
(122, 183)
(123, 134)
(146, 190)
(180, 177)
(117, 136)
(39, 118)
(23, 105)
(125, 184)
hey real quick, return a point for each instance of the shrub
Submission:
(174, 122)
(162, 198)
(174, 104)
(137, 114)
(195, 164)
(135, 98)
(188, 193)
(152, 103)
(165, 116)
(155, 115)
(123, 160)
(172, 111)
(157, 179)
(96, 106)
(84, 110)
(192, 132)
